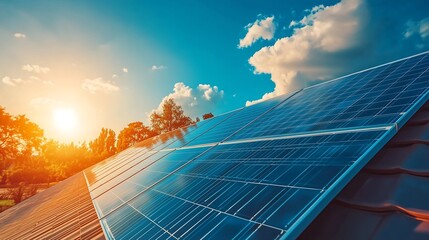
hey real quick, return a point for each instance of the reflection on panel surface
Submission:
(126, 159)
(149, 172)
(263, 171)
(262, 185)
(237, 121)
(374, 97)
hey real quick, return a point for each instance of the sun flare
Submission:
(64, 119)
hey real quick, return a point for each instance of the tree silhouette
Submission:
(207, 116)
(170, 118)
(135, 132)
(104, 145)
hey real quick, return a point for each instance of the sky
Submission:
(74, 67)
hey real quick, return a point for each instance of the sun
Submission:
(65, 119)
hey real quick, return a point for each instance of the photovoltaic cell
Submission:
(200, 133)
(263, 171)
(237, 121)
(266, 183)
(376, 97)
(115, 165)
(123, 187)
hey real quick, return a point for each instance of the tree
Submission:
(135, 132)
(207, 116)
(64, 160)
(20, 142)
(170, 118)
(104, 145)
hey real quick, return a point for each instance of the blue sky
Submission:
(113, 62)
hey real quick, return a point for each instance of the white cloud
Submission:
(125, 70)
(11, 81)
(182, 94)
(99, 85)
(35, 68)
(420, 28)
(197, 101)
(316, 50)
(261, 28)
(209, 93)
(19, 35)
(157, 68)
(114, 76)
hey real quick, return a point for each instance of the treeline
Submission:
(27, 156)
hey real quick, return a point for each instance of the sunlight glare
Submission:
(65, 119)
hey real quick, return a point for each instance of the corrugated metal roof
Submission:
(64, 211)
(389, 198)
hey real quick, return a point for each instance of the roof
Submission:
(399, 175)
(389, 198)
(63, 211)
(264, 171)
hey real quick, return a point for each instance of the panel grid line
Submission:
(263, 171)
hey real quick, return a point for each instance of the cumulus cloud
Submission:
(125, 70)
(35, 68)
(316, 50)
(419, 28)
(182, 94)
(19, 35)
(99, 85)
(262, 28)
(195, 101)
(157, 68)
(11, 81)
(210, 93)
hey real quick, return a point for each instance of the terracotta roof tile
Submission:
(389, 198)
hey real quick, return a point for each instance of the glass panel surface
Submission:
(263, 167)
(374, 97)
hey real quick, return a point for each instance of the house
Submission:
(346, 158)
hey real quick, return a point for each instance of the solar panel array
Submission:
(263, 171)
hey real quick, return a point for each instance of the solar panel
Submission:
(263, 171)
(378, 96)
(200, 133)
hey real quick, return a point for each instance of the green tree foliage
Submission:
(207, 116)
(170, 118)
(135, 132)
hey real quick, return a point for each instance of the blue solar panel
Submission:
(200, 133)
(113, 166)
(265, 182)
(147, 173)
(234, 123)
(378, 96)
(264, 171)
